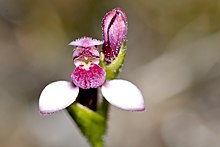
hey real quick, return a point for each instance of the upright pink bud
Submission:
(114, 27)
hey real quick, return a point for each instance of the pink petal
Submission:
(86, 42)
(123, 94)
(57, 96)
(114, 27)
(88, 76)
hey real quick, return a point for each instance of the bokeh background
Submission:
(173, 56)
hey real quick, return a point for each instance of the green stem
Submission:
(92, 124)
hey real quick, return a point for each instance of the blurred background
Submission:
(173, 56)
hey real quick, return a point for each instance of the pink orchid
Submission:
(88, 74)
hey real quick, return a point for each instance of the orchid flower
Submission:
(95, 71)
(88, 74)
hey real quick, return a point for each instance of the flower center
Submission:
(86, 56)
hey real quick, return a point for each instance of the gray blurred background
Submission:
(173, 57)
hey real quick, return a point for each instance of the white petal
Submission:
(123, 94)
(57, 96)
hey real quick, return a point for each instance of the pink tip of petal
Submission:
(123, 94)
(92, 76)
(139, 110)
(86, 42)
(57, 96)
(45, 113)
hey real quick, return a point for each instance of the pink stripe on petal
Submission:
(57, 96)
(123, 94)
(92, 76)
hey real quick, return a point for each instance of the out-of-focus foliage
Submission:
(173, 56)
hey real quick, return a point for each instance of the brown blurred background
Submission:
(173, 57)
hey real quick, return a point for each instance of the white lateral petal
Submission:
(57, 96)
(123, 94)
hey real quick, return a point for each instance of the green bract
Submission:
(112, 70)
